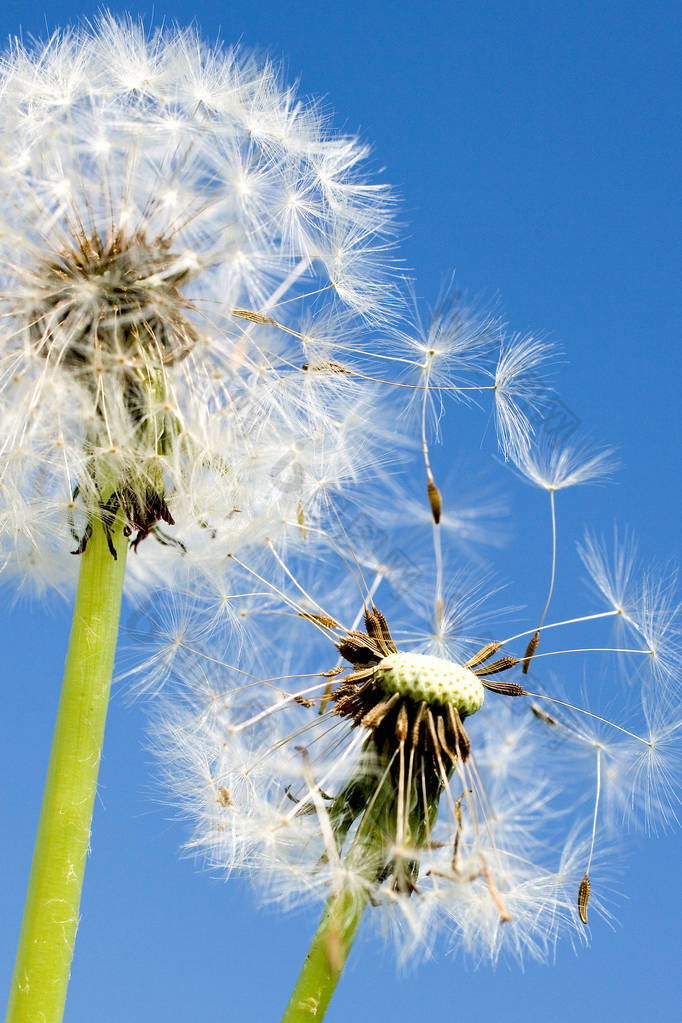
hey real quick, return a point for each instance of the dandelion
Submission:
(174, 224)
(417, 776)
(168, 217)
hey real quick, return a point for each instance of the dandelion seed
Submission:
(224, 797)
(583, 898)
(530, 650)
(542, 715)
(435, 501)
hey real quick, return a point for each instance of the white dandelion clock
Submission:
(163, 202)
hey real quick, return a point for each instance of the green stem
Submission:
(326, 958)
(48, 931)
(366, 858)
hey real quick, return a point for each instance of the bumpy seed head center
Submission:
(432, 680)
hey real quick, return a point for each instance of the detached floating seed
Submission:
(434, 500)
(583, 898)
(542, 715)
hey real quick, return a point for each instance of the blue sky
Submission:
(534, 151)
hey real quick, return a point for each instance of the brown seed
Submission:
(224, 796)
(326, 366)
(374, 717)
(377, 628)
(325, 620)
(373, 628)
(359, 649)
(583, 898)
(542, 715)
(248, 314)
(342, 700)
(458, 833)
(462, 743)
(303, 701)
(440, 729)
(530, 650)
(417, 723)
(300, 518)
(482, 655)
(361, 675)
(504, 688)
(434, 500)
(401, 725)
(503, 664)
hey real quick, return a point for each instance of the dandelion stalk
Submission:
(326, 957)
(331, 944)
(50, 921)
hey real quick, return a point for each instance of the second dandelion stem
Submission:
(48, 932)
(326, 958)
(365, 860)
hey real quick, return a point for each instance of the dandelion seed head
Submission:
(172, 212)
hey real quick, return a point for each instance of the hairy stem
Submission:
(48, 931)
(326, 958)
